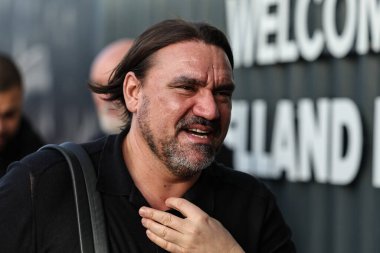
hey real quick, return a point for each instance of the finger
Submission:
(184, 206)
(166, 245)
(162, 217)
(164, 232)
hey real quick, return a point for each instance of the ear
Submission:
(131, 90)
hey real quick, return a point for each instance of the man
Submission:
(109, 116)
(158, 181)
(17, 137)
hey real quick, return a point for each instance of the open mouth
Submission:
(199, 128)
(199, 133)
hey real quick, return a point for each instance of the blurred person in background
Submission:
(17, 136)
(110, 117)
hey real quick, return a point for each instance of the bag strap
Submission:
(89, 209)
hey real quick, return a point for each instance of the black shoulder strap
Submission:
(92, 235)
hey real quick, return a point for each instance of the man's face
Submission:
(185, 105)
(10, 114)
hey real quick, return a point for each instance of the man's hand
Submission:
(197, 232)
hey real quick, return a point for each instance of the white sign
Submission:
(325, 140)
(259, 30)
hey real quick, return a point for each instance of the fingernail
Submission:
(142, 210)
(143, 221)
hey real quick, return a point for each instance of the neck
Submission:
(153, 179)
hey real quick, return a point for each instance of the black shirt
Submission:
(25, 141)
(38, 215)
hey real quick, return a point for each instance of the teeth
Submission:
(200, 136)
(198, 131)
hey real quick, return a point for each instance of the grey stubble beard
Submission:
(170, 152)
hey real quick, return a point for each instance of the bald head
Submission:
(109, 115)
(108, 59)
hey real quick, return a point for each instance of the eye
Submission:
(187, 87)
(224, 95)
(10, 114)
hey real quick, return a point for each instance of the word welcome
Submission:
(269, 31)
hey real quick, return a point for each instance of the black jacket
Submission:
(23, 143)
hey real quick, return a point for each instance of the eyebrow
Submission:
(197, 82)
(187, 80)
(226, 87)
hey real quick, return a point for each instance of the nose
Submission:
(206, 106)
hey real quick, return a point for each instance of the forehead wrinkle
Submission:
(220, 76)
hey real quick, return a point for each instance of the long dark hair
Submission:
(160, 35)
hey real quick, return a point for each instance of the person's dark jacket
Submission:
(23, 143)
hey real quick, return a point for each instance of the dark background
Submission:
(55, 41)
